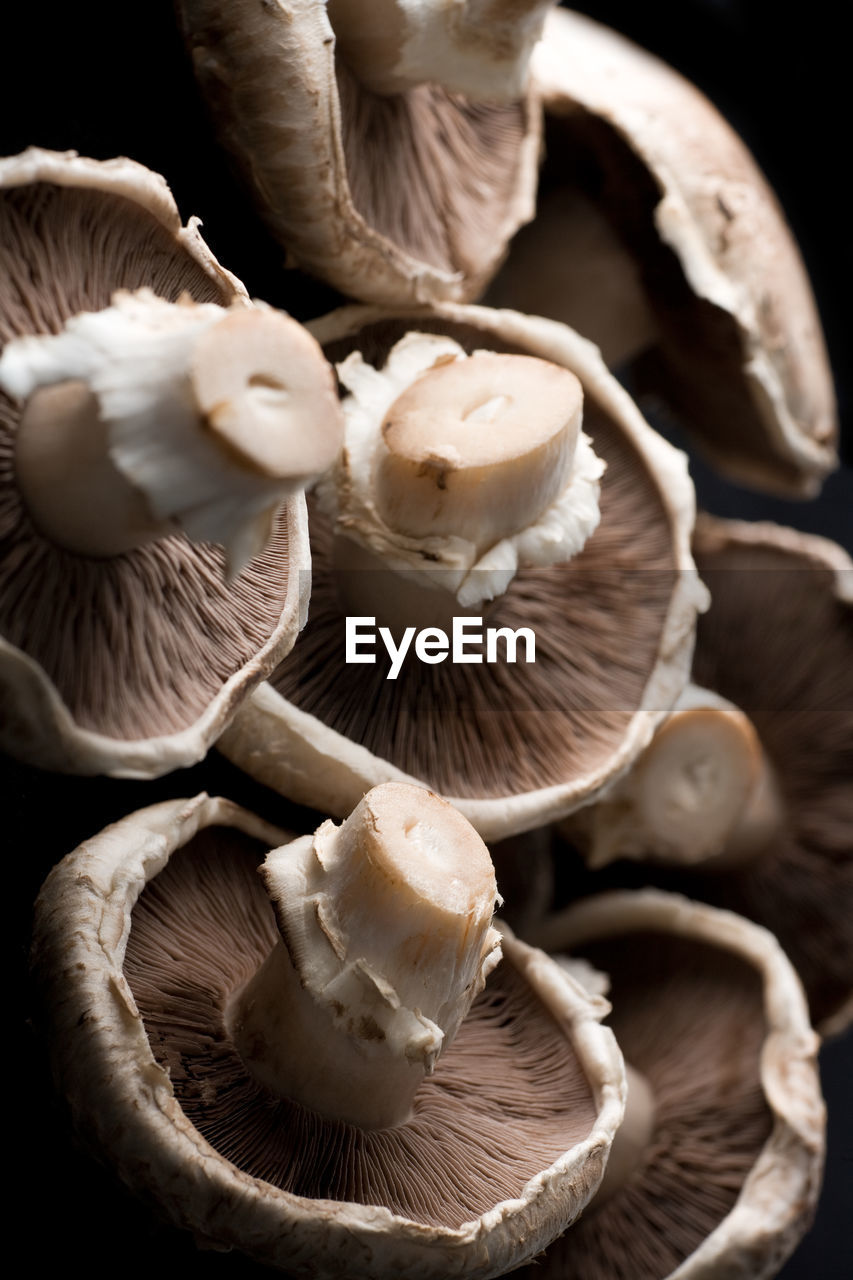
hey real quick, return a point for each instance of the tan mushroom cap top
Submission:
(708, 1010)
(738, 349)
(128, 665)
(391, 198)
(144, 931)
(507, 744)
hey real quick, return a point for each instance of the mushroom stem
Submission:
(632, 1138)
(480, 48)
(151, 416)
(703, 792)
(478, 448)
(456, 471)
(386, 938)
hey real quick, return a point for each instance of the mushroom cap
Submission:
(155, 650)
(707, 1006)
(138, 1095)
(778, 642)
(511, 747)
(398, 199)
(740, 352)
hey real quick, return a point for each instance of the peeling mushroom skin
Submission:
(506, 743)
(147, 652)
(140, 937)
(401, 197)
(711, 1016)
(723, 325)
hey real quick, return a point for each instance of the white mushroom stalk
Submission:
(151, 417)
(386, 938)
(456, 471)
(477, 47)
(703, 792)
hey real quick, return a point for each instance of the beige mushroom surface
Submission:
(657, 235)
(724, 1097)
(146, 932)
(777, 645)
(129, 658)
(398, 194)
(509, 744)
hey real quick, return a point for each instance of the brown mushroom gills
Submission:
(60, 608)
(419, 162)
(506, 1100)
(688, 1017)
(490, 729)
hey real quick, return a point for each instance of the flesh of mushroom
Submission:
(149, 416)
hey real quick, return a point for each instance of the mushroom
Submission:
(141, 394)
(509, 742)
(647, 188)
(720, 1163)
(171, 997)
(391, 146)
(747, 801)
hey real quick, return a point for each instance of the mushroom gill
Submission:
(489, 729)
(455, 165)
(504, 1102)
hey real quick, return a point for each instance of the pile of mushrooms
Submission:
(424, 566)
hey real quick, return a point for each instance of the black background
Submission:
(111, 79)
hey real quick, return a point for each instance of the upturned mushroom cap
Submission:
(777, 642)
(736, 343)
(132, 664)
(507, 744)
(709, 1011)
(140, 935)
(394, 199)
